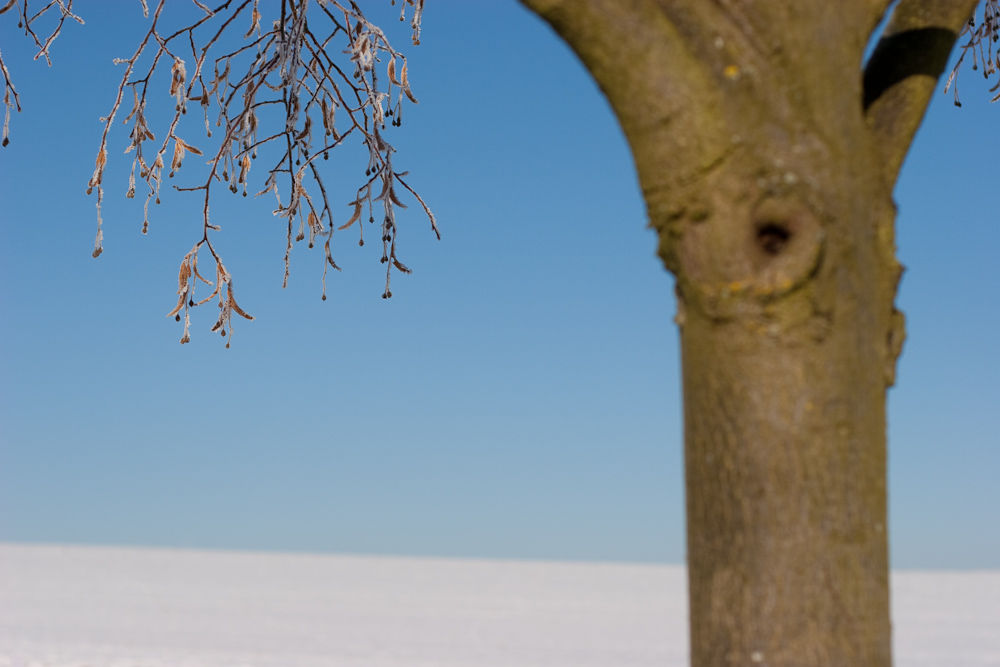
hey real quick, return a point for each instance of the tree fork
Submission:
(767, 163)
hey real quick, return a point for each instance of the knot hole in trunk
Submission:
(782, 245)
(773, 237)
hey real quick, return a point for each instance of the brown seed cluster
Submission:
(287, 92)
(981, 38)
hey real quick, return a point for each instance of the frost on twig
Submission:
(285, 90)
(981, 38)
(27, 21)
(187, 280)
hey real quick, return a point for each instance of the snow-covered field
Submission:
(110, 607)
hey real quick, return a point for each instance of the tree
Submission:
(767, 157)
(767, 162)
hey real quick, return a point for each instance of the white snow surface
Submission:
(74, 606)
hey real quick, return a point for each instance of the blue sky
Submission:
(518, 397)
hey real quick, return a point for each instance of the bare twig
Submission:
(981, 39)
(27, 23)
(291, 84)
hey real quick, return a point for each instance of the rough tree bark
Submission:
(767, 158)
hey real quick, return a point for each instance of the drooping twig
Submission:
(284, 88)
(981, 38)
(27, 23)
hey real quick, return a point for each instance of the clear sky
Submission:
(518, 397)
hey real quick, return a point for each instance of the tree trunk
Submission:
(785, 469)
(767, 163)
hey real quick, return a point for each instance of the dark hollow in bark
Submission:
(773, 237)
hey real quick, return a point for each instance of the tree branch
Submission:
(290, 87)
(670, 114)
(903, 72)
